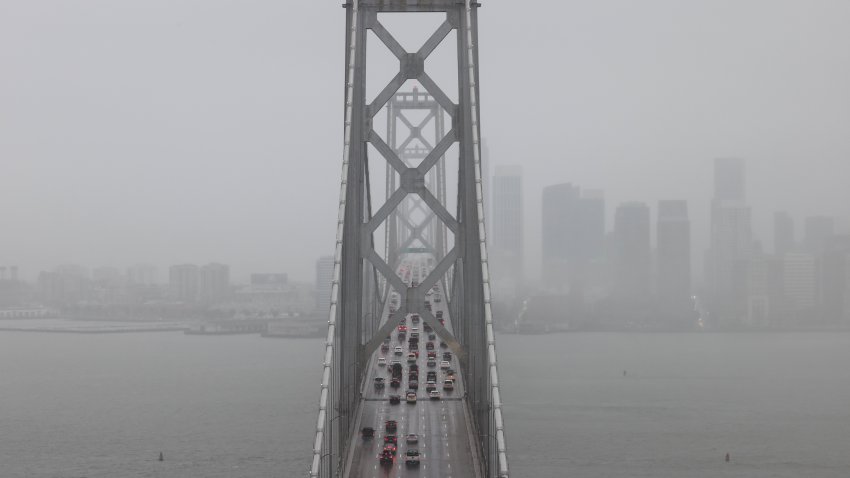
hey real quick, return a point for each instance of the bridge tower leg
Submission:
(362, 277)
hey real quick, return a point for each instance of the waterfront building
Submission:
(632, 251)
(673, 233)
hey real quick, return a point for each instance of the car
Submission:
(415, 319)
(431, 385)
(432, 375)
(385, 348)
(390, 439)
(414, 335)
(411, 357)
(443, 345)
(391, 447)
(402, 328)
(395, 399)
(382, 362)
(379, 383)
(367, 432)
(431, 363)
(411, 397)
(386, 457)
(429, 346)
(398, 350)
(390, 426)
(450, 374)
(414, 368)
(445, 364)
(447, 355)
(395, 382)
(411, 458)
(448, 384)
(432, 337)
(412, 439)
(437, 299)
(439, 314)
(434, 395)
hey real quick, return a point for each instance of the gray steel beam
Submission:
(362, 278)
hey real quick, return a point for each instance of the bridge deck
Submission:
(441, 425)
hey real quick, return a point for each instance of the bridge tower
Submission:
(415, 181)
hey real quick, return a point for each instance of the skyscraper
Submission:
(633, 254)
(213, 283)
(819, 230)
(729, 179)
(673, 234)
(731, 240)
(783, 232)
(507, 243)
(183, 282)
(573, 234)
(561, 230)
(324, 281)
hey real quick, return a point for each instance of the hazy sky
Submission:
(170, 131)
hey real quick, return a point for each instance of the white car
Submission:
(398, 350)
(445, 364)
(382, 362)
(411, 358)
(434, 395)
(411, 397)
(412, 439)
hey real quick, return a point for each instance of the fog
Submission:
(194, 131)
(659, 176)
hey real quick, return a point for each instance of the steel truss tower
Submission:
(362, 278)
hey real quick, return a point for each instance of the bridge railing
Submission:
(495, 394)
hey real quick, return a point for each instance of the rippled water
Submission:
(243, 406)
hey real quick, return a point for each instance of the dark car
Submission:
(447, 355)
(379, 383)
(395, 399)
(390, 426)
(395, 382)
(367, 432)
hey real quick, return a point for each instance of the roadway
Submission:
(440, 424)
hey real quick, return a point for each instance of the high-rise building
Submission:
(141, 274)
(592, 219)
(213, 283)
(834, 280)
(561, 230)
(798, 279)
(783, 232)
(729, 179)
(731, 241)
(673, 234)
(632, 250)
(818, 230)
(183, 282)
(507, 237)
(573, 234)
(324, 281)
